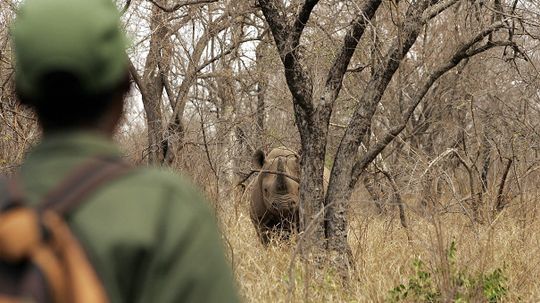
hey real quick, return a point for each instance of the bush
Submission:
(463, 286)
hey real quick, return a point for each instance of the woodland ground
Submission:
(384, 256)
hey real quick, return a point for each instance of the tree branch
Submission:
(299, 82)
(461, 53)
(179, 5)
(335, 76)
(436, 9)
(300, 21)
(224, 53)
(126, 7)
(499, 206)
(276, 22)
(397, 199)
(381, 77)
(137, 79)
(192, 70)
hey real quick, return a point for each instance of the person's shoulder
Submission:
(171, 183)
(156, 176)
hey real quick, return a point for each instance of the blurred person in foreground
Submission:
(148, 234)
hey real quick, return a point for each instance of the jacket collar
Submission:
(74, 144)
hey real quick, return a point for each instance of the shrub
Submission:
(463, 286)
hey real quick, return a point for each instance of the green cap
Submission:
(81, 37)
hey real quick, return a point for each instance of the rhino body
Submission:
(274, 199)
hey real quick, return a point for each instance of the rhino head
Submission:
(277, 183)
(275, 195)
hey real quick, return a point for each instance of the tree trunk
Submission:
(342, 180)
(262, 83)
(153, 85)
(312, 195)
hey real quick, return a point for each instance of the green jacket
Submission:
(149, 234)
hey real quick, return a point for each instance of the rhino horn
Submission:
(281, 184)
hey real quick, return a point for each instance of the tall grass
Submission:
(383, 257)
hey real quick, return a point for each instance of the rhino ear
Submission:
(258, 158)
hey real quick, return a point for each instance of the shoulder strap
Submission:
(85, 179)
(12, 196)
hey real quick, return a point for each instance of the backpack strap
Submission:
(11, 196)
(85, 284)
(83, 181)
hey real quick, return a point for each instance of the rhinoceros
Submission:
(274, 199)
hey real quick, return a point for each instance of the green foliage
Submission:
(494, 286)
(420, 286)
(427, 285)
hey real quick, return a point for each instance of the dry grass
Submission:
(384, 256)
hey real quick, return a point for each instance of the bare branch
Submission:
(181, 4)
(298, 79)
(499, 206)
(205, 141)
(436, 9)
(137, 79)
(193, 68)
(18, 113)
(462, 53)
(301, 21)
(335, 76)
(397, 199)
(276, 22)
(224, 53)
(126, 7)
(358, 69)
(383, 73)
